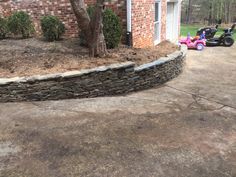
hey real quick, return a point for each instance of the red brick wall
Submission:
(5, 7)
(163, 19)
(59, 8)
(142, 22)
(143, 16)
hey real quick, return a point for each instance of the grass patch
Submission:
(193, 30)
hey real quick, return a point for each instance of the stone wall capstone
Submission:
(102, 81)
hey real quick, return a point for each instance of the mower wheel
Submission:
(228, 41)
(200, 47)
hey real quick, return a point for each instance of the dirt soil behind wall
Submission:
(33, 56)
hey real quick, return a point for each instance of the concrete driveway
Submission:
(186, 128)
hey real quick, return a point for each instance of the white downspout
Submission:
(129, 14)
(129, 22)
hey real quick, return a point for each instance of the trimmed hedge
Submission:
(3, 28)
(19, 23)
(112, 29)
(52, 28)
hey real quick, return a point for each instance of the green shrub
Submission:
(3, 28)
(111, 28)
(52, 28)
(91, 10)
(19, 23)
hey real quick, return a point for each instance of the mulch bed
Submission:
(36, 57)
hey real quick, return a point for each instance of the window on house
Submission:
(157, 22)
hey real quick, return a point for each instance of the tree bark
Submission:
(97, 44)
(93, 28)
(210, 14)
(189, 12)
(229, 12)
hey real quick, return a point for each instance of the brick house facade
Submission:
(148, 20)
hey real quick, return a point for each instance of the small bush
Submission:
(52, 28)
(91, 10)
(111, 28)
(19, 23)
(3, 28)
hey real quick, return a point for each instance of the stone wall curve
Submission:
(101, 81)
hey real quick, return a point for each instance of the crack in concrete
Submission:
(145, 99)
(78, 112)
(224, 173)
(196, 98)
(53, 109)
(194, 95)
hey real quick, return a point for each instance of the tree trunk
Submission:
(225, 7)
(229, 12)
(210, 14)
(189, 11)
(93, 28)
(96, 42)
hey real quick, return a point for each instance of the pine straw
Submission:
(36, 57)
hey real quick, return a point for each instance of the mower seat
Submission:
(227, 30)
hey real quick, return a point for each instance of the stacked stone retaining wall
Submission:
(102, 81)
